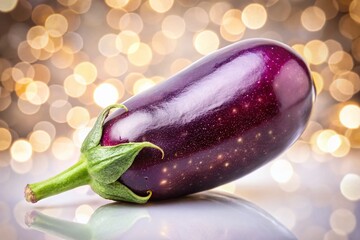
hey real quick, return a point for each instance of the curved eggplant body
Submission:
(217, 120)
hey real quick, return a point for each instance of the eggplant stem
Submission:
(73, 177)
(99, 166)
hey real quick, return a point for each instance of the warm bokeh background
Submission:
(62, 61)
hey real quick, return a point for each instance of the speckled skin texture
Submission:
(217, 120)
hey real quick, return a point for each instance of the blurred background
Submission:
(62, 61)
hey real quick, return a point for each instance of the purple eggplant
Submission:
(219, 119)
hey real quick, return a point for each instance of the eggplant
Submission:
(216, 121)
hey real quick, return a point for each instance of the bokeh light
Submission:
(281, 171)
(343, 221)
(21, 150)
(330, 8)
(62, 59)
(340, 61)
(117, 4)
(232, 27)
(161, 6)
(349, 28)
(350, 116)
(354, 10)
(85, 72)
(173, 26)
(127, 39)
(316, 52)
(218, 10)
(56, 25)
(325, 141)
(105, 94)
(196, 19)
(78, 117)
(341, 89)
(206, 42)
(40, 140)
(7, 6)
(254, 16)
(313, 18)
(37, 92)
(26, 107)
(349, 186)
(38, 37)
(132, 22)
(140, 54)
(40, 13)
(73, 87)
(47, 127)
(6, 139)
(107, 45)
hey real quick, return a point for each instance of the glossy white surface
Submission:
(306, 208)
(201, 216)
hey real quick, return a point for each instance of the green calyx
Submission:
(99, 166)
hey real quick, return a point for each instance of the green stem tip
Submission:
(73, 177)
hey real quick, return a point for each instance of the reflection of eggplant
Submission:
(106, 222)
(201, 216)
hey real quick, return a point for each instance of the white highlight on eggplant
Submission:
(203, 96)
(285, 90)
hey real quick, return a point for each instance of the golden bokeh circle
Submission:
(313, 18)
(254, 16)
(206, 42)
(6, 139)
(21, 150)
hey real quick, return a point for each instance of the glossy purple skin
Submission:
(217, 120)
